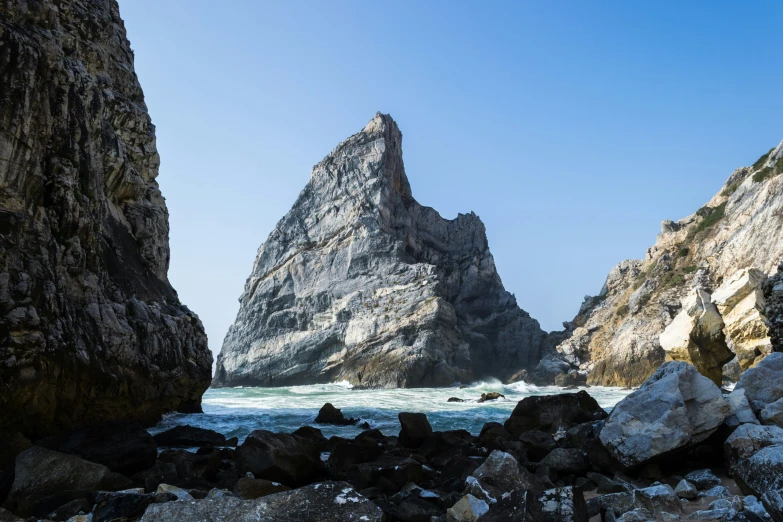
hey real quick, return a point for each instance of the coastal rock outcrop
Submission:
(726, 248)
(90, 328)
(360, 282)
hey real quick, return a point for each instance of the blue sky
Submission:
(571, 128)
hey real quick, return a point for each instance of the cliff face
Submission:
(90, 328)
(722, 254)
(359, 282)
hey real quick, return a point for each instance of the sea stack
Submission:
(360, 282)
(90, 328)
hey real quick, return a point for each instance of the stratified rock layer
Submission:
(90, 328)
(728, 246)
(359, 282)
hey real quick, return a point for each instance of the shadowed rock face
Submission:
(362, 283)
(90, 328)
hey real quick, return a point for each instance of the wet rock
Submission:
(491, 396)
(686, 490)
(675, 408)
(456, 399)
(467, 509)
(566, 461)
(696, 336)
(740, 411)
(41, 472)
(110, 507)
(280, 457)
(703, 479)
(748, 439)
(124, 447)
(328, 414)
(191, 436)
(549, 413)
(251, 488)
(415, 429)
(763, 384)
(325, 502)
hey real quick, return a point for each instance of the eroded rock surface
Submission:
(359, 282)
(90, 328)
(614, 338)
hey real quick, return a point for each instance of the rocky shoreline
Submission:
(678, 448)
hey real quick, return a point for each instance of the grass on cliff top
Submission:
(767, 172)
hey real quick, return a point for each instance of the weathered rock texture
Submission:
(727, 246)
(360, 282)
(90, 328)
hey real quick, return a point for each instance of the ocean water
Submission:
(236, 412)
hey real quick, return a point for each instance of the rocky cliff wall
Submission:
(90, 328)
(728, 247)
(359, 282)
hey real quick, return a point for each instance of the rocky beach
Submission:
(377, 369)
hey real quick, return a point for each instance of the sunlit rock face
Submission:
(727, 248)
(90, 328)
(359, 282)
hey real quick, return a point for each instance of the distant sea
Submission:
(236, 412)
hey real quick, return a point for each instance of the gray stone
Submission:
(673, 409)
(92, 329)
(566, 504)
(702, 479)
(716, 492)
(763, 384)
(359, 282)
(566, 461)
(467, 509)
(761, 472)
(686, 490)
(747, 439)
(325, 502)
(636, 515)
(502, 471)
(280, 457)
(740, 411)
(773, 504)
(773, 413)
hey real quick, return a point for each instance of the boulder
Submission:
(491, 396)
(467, 509)
(193, 469)
(773, 504)
(41, 472)
(773, 413)
(191, 436)
(763, 384)
(324, 502)
(328, 414)
(537, 443)
(740, 301)
(346, 456)
(79, 506)
(124, 447)
(686, 490)
(696, 336)
(251, 488)
(160, 473)
(415, 429)
(748, 439)
(280, 457)
(761, 472)
(416, 509)
(740, 411)
(606, 485)
(550, 413)
(120, 506)
(702, 479)
(637, 515)
(566, 461)
(566, 504)
(173, 491)
(502, 471)
(675, 408)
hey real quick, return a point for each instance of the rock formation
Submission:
(90, 328)
(724, 250)
(359, 282)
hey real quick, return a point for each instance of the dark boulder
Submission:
(192, 436)
(111, 507)
(193, 469)
(549, 413)
(41, 472)
(537, 443)
(491, 396)
(345, 457)
(415, 429)
(79, 506)
(250, 488)
(331, 415)
(280, 457)
(566, 461)
(124, 447)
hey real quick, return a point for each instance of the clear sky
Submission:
(571, 128)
